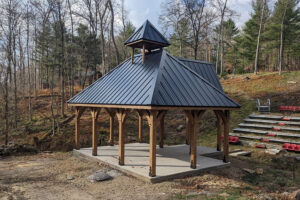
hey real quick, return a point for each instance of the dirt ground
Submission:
(44, 176)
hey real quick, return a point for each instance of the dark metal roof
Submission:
(148, 32)
(162, 80)
(204, 69)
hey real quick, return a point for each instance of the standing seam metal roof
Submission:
(162, 80)
(147, 32)
(204, 69)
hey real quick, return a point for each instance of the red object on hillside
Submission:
(281, 124)
(292, 147)
(285, 146)
(264, 140)
(271, 134)
(286, 119)
(289, 108)
(261, 146)
(297, 149)
(276, 128)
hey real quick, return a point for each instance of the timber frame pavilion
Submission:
(151, 84)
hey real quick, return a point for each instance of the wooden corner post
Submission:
(226, 135)
(152, 120)
(95, 113)
(78, 112)
(140, 116)
(121, 115)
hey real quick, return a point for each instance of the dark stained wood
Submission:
(161, 119)
(132, 54)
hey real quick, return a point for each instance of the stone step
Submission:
(271, 139)
(262, 126)
(291, 123)
(262, 132)
(274, 117)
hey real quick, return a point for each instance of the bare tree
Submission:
(258, 36)
(194, 11)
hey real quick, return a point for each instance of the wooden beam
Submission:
(121, 115)
(132, 54)
(219, 131)
(152, 120)
(226, 135)
(111, 113)
(140, 116)
(95, 113)
(150, 107)
(78, 112)
(143, 53)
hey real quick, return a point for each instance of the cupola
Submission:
(147, 37)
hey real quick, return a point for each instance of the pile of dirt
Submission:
(16, 149)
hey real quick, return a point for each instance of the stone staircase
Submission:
(269, 130)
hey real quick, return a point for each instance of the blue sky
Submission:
(140, 10)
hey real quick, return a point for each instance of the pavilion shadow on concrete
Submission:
(151, 83)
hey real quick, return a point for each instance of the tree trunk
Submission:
(62, 71)
(258, 37)
(112, 31)
(221, 35)
(29, 72)
(71, 50)
(281, 42)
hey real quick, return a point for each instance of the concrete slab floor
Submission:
(171, 161)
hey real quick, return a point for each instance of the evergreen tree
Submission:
(248, 41)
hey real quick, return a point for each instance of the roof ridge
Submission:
(203, 79)
(159, 74)
(147, 21)
(192, 60)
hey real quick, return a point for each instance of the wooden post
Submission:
(143, 53)
(226, 135)
(188, 128)
(111, 114)
(152, 119)
(121, 115)
(161, 132)
(219, 131)
(132, 54)
(140, 114)
(78, 112)
(95, 113)
(195, 115)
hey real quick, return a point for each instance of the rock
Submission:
(224, 194)
(282, 152)
(114, 173)
(295, 195)
(246, 78)
(292, 82)
(241, 153)
(69, 177)
(272, 151)
(264, 197)
(180, 128)
(99, 176)
(245, 143)
(250, 171)
(259, 171)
